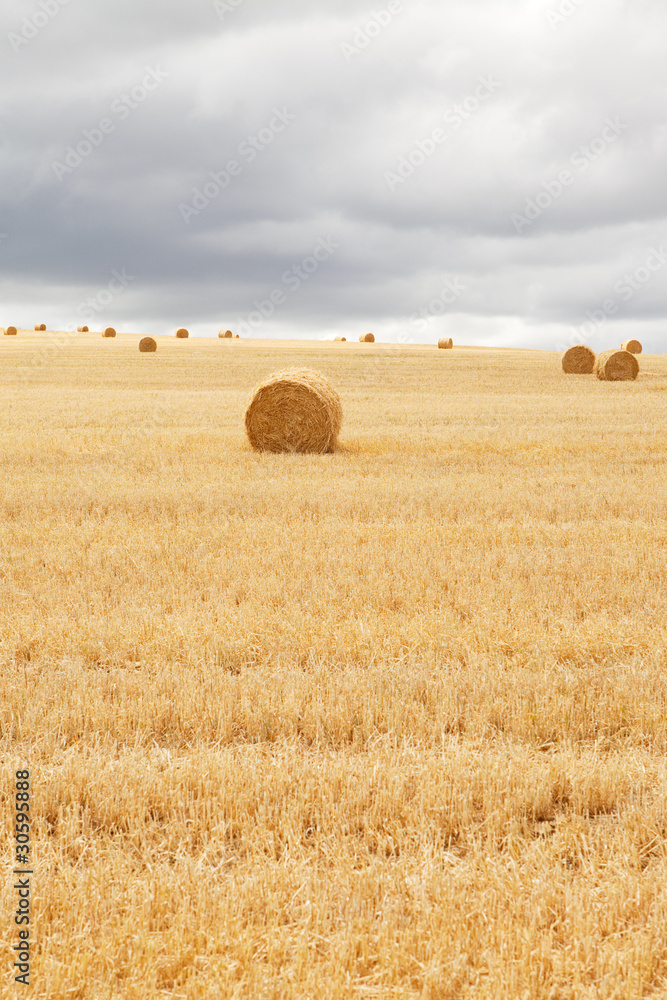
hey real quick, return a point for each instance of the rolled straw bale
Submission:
(227, 334)
(616, 366)
(633, 346)
(297, 410)
(343, 340)
(237, 337)
(41, 327)
(82, 329)
(445, 343)
(182, 333)
(109, 332)
(147, 344)
(10, 331)
(578, 360)
(367, 338)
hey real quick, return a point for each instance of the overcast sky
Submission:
(490, 170)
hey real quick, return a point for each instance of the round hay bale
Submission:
(237, 337)
(297, 410)
(367, 338)
(147, 344)
(578, 360)
(82, 329)
(445, 343)
(227, 334)
(109, 332)
(41, 327)
(182, 333)
(10, 331)
(616, 366)
(633, 346)
(343, 340)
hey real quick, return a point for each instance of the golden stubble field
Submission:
(386, 723)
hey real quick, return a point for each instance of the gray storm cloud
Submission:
(514, 152)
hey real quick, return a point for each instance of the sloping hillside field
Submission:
(384, 723)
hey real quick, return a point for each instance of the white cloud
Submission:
(353, 122)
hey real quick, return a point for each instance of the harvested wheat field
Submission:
(389, 722)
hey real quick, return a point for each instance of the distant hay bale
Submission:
(82, 329)
(578, 360)
(616, 366)
(182, 333)
(294, 411)
(237, 337)
(341, 339)
(10, 331)
(367, 338)
(445, 343)
(41, 327)
(227, 334)
(633, 346)
(147, 344)
(109, 332)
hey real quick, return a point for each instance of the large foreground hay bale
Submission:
(10, 331)
(227, 334)
(147, 344)
(182, 333)
(445, 343)
(616, 366)
(367, 338)
(82, 329)
(633, 346)
(578, 360)
(297, 410)
(109, 332)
